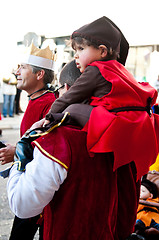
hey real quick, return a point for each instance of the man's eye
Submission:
(81, 48)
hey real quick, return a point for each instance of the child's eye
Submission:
(80, 48)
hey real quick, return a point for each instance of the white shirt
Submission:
(29, 192)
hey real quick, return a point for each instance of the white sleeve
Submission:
(31, 191)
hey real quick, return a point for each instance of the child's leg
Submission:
(79, 112)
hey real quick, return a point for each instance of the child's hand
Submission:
(46, 122)
(38, 124)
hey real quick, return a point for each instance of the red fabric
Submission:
(130, 135)
(36, 110)
(93, 201)
(50, 146)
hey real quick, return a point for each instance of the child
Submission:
(119, 107)
(147, 216)
(88, 49)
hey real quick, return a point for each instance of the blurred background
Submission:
(51, 23)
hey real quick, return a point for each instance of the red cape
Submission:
(131, 135)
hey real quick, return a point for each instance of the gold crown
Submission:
(44, 53)
(39, 57)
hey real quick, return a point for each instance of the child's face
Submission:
(145, 193)
(85, 55)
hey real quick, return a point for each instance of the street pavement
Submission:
(10, 134)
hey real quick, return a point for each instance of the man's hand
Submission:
(7, 154)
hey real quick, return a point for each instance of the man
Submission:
(75, 191)
(33, 75)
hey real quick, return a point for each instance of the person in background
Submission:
(148, 216)
(157, 84)
(17, 98)
(33, 76)
(1, 101)
(17, 102)
(155, 166)
(0, 129)
(9, 92)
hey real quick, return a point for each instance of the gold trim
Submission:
(50, 156)
(19, 165)
(53, 127)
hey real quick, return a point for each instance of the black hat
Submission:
(104, 31)
(150, 186)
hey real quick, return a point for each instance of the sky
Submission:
(137, 19)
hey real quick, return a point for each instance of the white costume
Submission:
(30, 191)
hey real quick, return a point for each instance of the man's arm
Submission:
(31, 191)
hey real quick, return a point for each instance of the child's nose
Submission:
(76, 55)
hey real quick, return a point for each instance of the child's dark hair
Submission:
(111, 54)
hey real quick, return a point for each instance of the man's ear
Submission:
(103, 49)
(40, 74)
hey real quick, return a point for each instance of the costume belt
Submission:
(148, 108)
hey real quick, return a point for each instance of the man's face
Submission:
(26, 79)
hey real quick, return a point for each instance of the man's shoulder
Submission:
(48, 95)
(58, 144)
(66, 130)
(45, 98)
(67, 133)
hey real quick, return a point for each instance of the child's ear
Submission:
(151, 196)
(103, 49)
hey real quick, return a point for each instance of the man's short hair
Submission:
(48, 76)
(69, 74)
